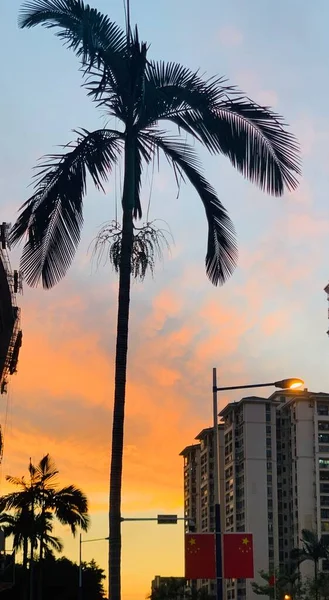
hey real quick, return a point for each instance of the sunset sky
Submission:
(268, 322)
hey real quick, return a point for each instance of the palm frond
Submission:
(52, 217)
(19, 481)
(70, 505)
(222, 250)
(253, 137)
(258, 144)
(171, 88)
(46, 470)
(17, 500)
(53, 543)
(82, 28)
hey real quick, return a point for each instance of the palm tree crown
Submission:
(142, 94)
(313, 548)
(37, 502)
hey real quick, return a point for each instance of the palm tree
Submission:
(36, 503)
(279, 584)
(314, 549)
(140, 93)
(19, 525)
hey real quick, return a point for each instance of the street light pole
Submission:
(81, 541)
(291, 383)
(80, 567)
(219, 574)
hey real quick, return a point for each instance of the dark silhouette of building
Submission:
(10, 330)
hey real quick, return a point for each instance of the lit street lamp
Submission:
(291, 383)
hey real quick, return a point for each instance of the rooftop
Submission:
(232, 405)
(189, 449)
(204, 432)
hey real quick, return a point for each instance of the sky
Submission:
(268, 322)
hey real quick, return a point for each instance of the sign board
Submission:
(167, 519)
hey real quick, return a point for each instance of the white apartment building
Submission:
(274, 464)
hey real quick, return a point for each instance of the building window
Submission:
(323, 410)
(323, 425)
(325, 565)
(323, 438)
(324, 513)
(323, 463)
(269, 478)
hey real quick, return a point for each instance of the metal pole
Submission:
(80, 567)
(219, 575)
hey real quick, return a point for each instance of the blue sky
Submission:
(269, 321)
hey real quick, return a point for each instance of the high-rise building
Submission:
(199, 500)
(274, 465)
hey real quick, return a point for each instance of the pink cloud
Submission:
(230, 37)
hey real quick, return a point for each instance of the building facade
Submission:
(274, 466)
(10, 330)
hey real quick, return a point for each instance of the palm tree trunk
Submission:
(120, 374)
(40, 566)
(25, 553)
(32, 570)
(316, 569)
(25, 579)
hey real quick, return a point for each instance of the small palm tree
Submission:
(314, 549)
(22, 529)
(279, 584)
(142, 95)
(35, 505)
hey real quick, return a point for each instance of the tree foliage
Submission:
(143, 94)
(278, 584)
(60, 581)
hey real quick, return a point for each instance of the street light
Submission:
(81, 541)
(284, 384)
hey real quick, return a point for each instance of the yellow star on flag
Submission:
(192, 541)
(245, 541)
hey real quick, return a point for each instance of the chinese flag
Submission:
(272, 581)
(200, 558)
(238, 556)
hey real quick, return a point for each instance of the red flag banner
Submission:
(200, 557)
(272, 580)
(238, 556)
